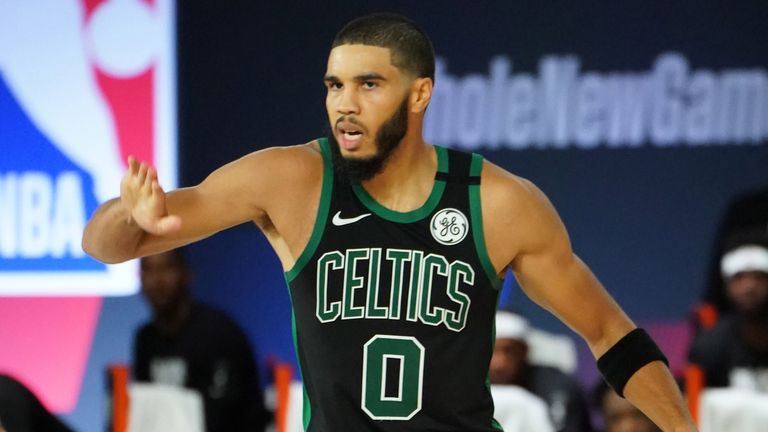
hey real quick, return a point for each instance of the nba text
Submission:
(41, 215)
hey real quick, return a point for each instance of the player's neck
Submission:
(408, 177)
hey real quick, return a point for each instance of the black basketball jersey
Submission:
(394, 312)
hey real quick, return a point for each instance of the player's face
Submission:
(748, 292)
(367, 103)
(508, 361)
(163, 282)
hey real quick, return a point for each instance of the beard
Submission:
(388, 138)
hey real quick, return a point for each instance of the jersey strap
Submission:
(464, 173)
(460, 170)
(322, 212)
(476, 212)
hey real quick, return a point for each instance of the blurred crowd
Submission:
(725, 373)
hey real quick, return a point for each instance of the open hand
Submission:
(142, 195)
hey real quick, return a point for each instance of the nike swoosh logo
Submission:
(340, 221)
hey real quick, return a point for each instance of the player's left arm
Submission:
(524, 232)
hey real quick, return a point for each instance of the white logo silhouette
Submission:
(449, 226)
(340, 221)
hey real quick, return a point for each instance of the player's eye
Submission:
(334, 85)
(368, 85)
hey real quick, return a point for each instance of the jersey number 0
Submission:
(393, 375)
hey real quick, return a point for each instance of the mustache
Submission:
(350, 119)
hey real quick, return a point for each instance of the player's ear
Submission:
(421, 93)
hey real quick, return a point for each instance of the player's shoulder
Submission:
(297, 156)
(278, 166)
(505, 191)
(516, 213)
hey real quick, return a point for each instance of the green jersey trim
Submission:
(413, 215)
(476, 210)
(322, 213)
(306, 414)
(494, 423)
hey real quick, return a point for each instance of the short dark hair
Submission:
(410, 47)
(178, 258)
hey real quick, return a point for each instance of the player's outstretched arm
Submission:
(145, 219)
(118, 226)
(525, 233)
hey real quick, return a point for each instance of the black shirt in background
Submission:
(219, 365)
(566, 404)
(720, 351)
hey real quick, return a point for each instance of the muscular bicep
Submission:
(544, 263)
(553, 276)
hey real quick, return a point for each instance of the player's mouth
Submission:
(349, 135)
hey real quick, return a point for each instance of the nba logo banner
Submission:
(83, 84)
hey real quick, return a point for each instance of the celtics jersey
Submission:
(393, 312)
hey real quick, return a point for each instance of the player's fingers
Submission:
(146, 184)
(156, 189)
(141, 176)
(132, 165)
(151, 177)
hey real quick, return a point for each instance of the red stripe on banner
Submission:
(46, 343)
(132, 109)
(91, 5)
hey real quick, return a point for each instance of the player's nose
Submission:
(347, 102)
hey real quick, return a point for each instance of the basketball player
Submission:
(392, 249)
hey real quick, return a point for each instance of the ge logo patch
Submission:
(449, 226)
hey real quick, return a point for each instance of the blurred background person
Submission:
(22, 411)
(745, 212)
(510, 365)
(189, 344)
(735, 351)
(618, 414)
(518, 410)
